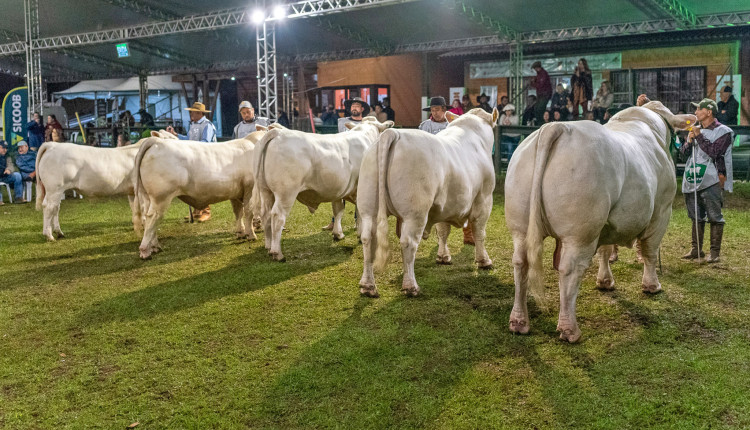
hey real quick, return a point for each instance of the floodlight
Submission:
(233, 78)
(279, 12)
(258, 16)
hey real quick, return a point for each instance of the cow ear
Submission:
(683, 121)
(155, 134)
(350, 125)
(389, 124)
(261, 128)
(450, 116)
(495, 115)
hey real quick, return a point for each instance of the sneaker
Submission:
(2, 203)
(20, 201)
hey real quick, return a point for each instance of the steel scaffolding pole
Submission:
(516, 77)
(265, 36)
(33, 57)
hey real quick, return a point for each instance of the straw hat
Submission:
(198, 107)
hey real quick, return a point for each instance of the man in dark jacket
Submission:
(26, 161)
(543, 87)
(36, 132)
(729, 107)
(9, 175)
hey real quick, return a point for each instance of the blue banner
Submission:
(15, 116)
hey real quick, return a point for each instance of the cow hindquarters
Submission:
(519, 316)
(367, 282)
(574, 260)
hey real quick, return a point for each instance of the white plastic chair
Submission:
(7, 187)
(27, 190)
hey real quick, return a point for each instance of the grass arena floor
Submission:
(211, 334)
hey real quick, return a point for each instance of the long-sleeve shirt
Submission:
(26, 163)
(202, 130)
(244, 128)
(543, 84)
(715, 149)
(730, 108)
(36, 134)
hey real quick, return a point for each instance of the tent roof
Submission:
(379, 28)
(121, 85)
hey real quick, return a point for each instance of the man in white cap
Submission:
(201, 129)
(249, 121)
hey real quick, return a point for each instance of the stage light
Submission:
(279, 12)
(257, 16)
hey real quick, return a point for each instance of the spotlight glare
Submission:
(257, 16)
(279, 12)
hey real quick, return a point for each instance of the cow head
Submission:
(255, 136)
(678, 122)
(278, 126)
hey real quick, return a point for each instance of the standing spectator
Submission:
(466, 104)
(503, 102)
(388, 110)
(437, 120)
(728, 107)
(36, 132)
(509, 141)
(543, 87)
(529, 114)
(582, 90)
(283, 119)
(707, 177)
(9, 174)
(560, 98)
(603, 101)
(358, 108)
(483, 101)
(329, 117)
(127, 119)
(146, 119)
(51, 125)
(201, 130)
(249, 121)
(377, 112)
(456, 107)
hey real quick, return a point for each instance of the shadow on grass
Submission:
(243, 274)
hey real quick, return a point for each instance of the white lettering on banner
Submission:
(16, 114)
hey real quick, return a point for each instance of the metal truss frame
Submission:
(360, 37)
(677, 11)
(266, 60)
(33, 58)
(168, 53)
(505, 32)
(516, 77)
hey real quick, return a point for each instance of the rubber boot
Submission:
(717, 231)
(697, 242)
(468, 235)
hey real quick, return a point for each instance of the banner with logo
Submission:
(15, 116)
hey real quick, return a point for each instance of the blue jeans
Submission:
(15, 180)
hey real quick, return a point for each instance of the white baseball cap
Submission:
(245, 104)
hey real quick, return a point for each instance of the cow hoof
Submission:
(411, 291)
(519, 326)
(278, 257)
(60, 235)
(652, 289)
(485, 265)
(145, 255)
(605, 284)
(50, 238)
(570, 335)
(369, 291)
(445, 259)
(337, 237)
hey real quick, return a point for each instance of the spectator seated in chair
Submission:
(9, 175)
(26, 162)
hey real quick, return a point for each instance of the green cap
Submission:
(707, 104)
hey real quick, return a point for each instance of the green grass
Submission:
(212, 334)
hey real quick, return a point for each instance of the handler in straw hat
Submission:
(201, 130)
(249, 121)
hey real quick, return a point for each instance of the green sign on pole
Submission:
(122, 50)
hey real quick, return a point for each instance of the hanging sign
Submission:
(15, 115)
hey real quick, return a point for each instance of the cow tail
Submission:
(140, 198)
(260, 167)
(381, 234)
(537, 229)
(40, 190)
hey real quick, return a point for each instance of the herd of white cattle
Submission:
(589, 186)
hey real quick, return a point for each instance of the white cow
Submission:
(311, 168)
(91, 171)
(589, 185)
(199, 174)
(446, 179)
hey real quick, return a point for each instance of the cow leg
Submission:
(410, 236)
(150, 242)
(574, 261)
(239, 226)
(56, 220)
(136, 215)
(249, 216)
(266, 201)
(650, 253)
(51, 206)
(444, 254)
(367, 282)
(478, 220)
(279, 212)
(338, 213)
(519, 316)
(604, 279)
